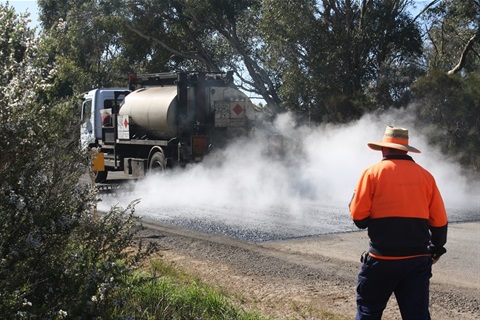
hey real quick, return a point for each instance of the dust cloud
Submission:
(321, 166)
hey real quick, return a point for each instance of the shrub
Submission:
(55, 259)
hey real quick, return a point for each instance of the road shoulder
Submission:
(311, 277)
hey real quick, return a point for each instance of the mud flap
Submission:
(98, 163)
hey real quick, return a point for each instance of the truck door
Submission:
(87, 136)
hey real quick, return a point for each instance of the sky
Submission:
(22, 6)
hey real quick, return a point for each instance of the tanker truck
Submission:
(163, 120)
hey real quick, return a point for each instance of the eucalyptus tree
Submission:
(83, 40)
(453, 35)
(100, 40)
(344, 57)
(211, 35)
(447, 97)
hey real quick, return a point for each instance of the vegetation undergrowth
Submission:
(162, 292)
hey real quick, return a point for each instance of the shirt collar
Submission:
(398, 157)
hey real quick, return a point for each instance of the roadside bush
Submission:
(56, 261)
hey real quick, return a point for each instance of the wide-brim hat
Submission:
(396, 138)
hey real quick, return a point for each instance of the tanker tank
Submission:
(152, 112)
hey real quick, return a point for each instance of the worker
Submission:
(399, 203)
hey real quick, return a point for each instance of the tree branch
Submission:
(428, 6)
(184, 54)
(261, 81)
(463, 56)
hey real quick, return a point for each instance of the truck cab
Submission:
(91, 119)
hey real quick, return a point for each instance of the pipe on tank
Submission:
(182, 94)
(201, 105)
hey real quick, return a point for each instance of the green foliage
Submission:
(449, 110)
(340, 59)
(171, 295)
(54, 257)
(187, 35)
(451, 25)
(83, 40)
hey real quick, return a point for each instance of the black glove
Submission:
(436, 252)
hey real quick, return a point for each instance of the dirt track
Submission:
(314, 277)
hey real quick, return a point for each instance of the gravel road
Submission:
(315, 277)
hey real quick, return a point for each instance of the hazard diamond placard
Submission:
(123, 127)
(229, 113)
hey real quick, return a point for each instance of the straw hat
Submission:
(396, 138)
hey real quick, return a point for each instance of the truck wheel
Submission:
(157, 163)
(100, 176)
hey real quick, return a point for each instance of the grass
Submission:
(163, 292)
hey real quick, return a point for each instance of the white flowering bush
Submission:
(54, 257)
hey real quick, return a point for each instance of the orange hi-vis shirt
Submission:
(400, 203)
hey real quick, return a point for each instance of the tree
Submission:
(447, 97)
(83, 39)
(156, 36)
(352, 55)
(210, 34)
(448, 108)
(54, 257)
(453, 35)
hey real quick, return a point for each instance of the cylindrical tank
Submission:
(152, 111)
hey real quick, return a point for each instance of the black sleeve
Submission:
(439, 235)
(362, 224)
(438, 240)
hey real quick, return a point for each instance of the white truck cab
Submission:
(93, 102)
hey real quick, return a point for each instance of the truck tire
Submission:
(158, 163)
(100, 176)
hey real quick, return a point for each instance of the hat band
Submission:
(395, 140)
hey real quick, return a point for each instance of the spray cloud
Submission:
(321, 166)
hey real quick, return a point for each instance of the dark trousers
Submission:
(408, 279)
